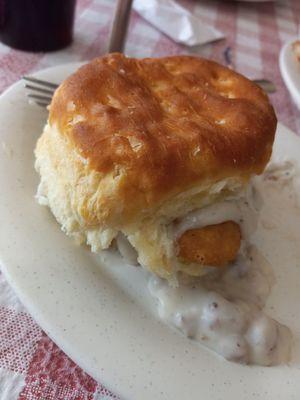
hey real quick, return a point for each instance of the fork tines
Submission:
(42, 91)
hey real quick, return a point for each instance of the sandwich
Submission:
(157, 155)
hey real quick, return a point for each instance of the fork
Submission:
(41, 92)
(44, 90)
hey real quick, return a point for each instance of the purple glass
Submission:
(37, 25)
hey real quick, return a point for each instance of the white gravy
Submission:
(225, 313)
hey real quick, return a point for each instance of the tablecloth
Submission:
(32, 367)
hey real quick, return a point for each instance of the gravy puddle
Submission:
(225, 314)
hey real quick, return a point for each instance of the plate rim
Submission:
(289, 82)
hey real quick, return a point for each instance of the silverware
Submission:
(119, 26)
(267, 85)
(41, 92)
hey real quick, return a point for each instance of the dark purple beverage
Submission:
(37, 25)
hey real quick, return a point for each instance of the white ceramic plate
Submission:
(100, 312)
(290, 70)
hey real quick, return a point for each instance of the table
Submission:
(32, 367)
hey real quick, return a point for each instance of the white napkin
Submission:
(176, 22)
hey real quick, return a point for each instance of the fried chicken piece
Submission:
(215, 245)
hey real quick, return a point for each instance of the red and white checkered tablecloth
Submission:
(32, 367)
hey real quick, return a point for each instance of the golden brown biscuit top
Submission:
(167, 123)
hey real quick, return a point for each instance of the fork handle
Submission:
(119, 26)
